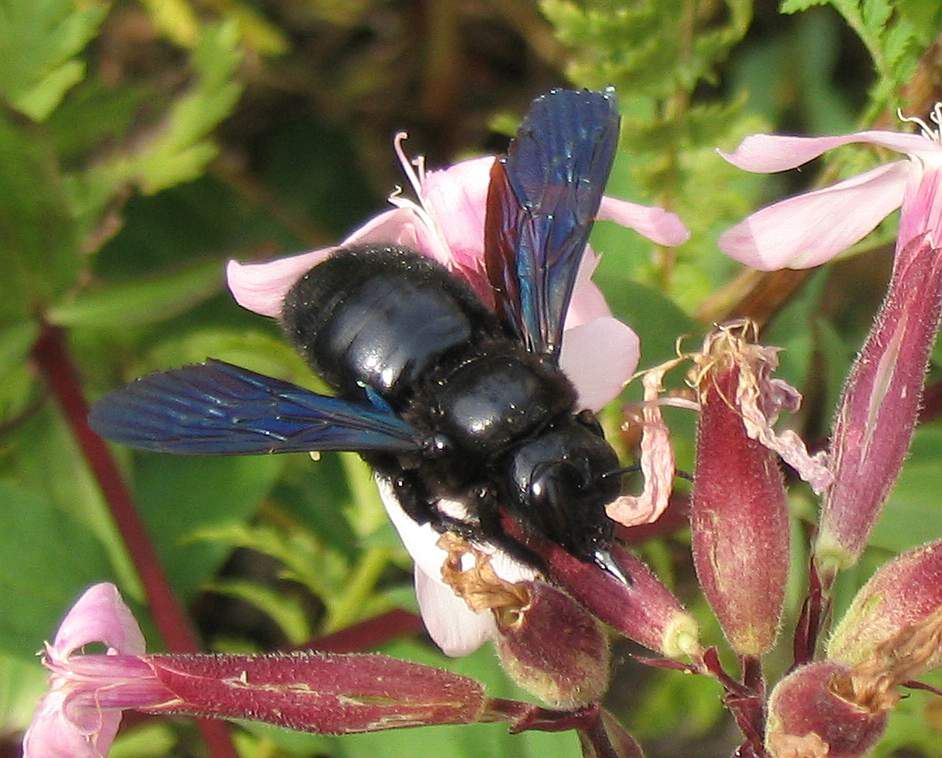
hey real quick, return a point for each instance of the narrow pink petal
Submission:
(809, 229)
(599, 357)
(454, 627)
(53, 735)
(657, 224)
(766, 153)
(261, 287)
(99, 615)
(657, 460)
(922, 208)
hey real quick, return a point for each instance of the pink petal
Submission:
(809, 229)
(261, 287)
(922, 209)
(99, 615)
(396, 227)
(766, 153)
(657, 460)
(451, 624)
(657, 224)
(588, 302)
(599, 358)
(53, 735)
(456, 199)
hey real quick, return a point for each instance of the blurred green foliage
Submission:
(144, 143)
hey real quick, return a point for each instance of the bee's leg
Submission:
(488, 509)
(421, 507)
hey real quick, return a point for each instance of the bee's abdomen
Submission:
(381, 316)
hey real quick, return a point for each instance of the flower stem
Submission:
(51, 355)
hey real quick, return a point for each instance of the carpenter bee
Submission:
(444, 397)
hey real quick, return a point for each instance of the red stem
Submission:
(51, 355)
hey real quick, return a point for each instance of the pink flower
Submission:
(809, 229)
(316, 692)
(80, 714)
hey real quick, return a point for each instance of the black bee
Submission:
(444, 398)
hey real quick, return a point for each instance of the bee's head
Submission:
(561, 485)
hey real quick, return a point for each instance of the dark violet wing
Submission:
(541, 204)
(216, 408)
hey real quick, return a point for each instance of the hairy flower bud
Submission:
(547, 642)
(807, 718)
(878, 412)
(643, 610)
(903, 592)
(553, 648)
(738, 517)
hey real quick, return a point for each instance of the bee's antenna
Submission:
(621, 471)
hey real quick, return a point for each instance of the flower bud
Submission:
(553, 648)
(902, 593)
(643, 610)
(738, 516)
(806, 717)
(548, 643)
(879, 408)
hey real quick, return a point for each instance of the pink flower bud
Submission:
(738, 516)
(553, 648)
(548, 643)
(643, 610)
(877, 414)
(318, 692)
(902, 593)
(806, 717)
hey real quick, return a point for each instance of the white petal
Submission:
(599, 358)
(454, 627)
(809, 229)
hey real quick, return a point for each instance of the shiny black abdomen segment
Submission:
(498, 397)
(381, 317)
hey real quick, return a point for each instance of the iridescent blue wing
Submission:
(216, 408)
(541, 204)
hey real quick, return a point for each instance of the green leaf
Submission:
(22, 683)
(149, 740)
(46, 559)
(180, 149)
(911, 515)
(38, 42)
(145, 301)
(286, 611)
(48, 461)
(15, 343)
(39, 255)
(178, 496)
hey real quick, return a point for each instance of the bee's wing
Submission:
(220, 409)
(541, 204)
